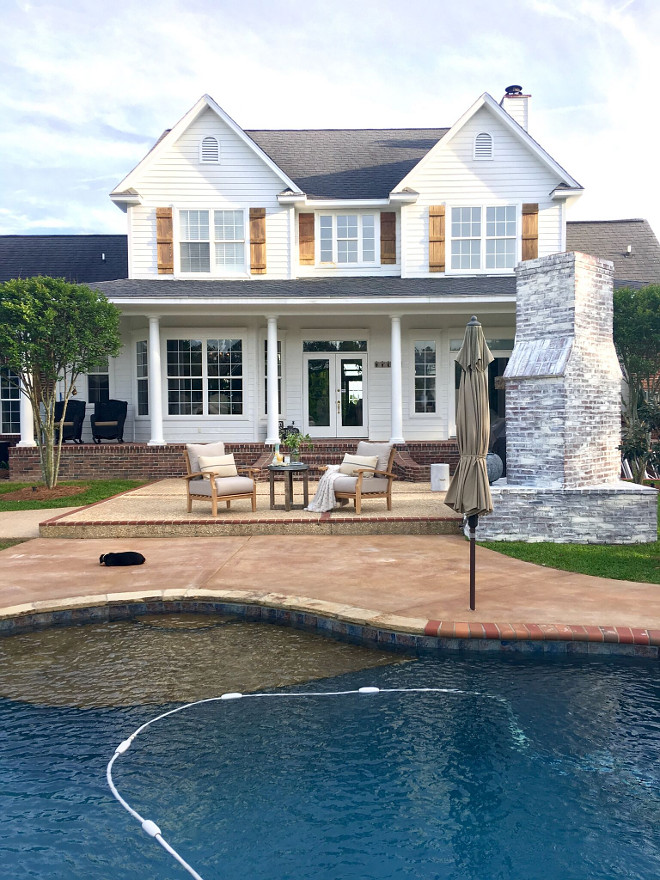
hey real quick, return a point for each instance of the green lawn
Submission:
(628, 562)
(96, 490)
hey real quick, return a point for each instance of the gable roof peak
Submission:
(171, 136)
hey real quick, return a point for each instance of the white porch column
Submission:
(27, 422)
(397, 385)
(155, 384)
(272, 429)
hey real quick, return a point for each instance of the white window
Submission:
(10, 402)
(425, 376)
(204, 377)
(209, 150)
(224, 250)
(195, 244)
(483, 146)
(98, 383)
(484, 237)
(142, 361)
(347, 238)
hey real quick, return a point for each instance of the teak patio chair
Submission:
(369, 483)
(211, 487)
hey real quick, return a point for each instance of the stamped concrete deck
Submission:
(401, 584)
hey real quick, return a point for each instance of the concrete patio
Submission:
(159, 510)
(402, 585)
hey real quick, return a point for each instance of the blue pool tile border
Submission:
(368, 634)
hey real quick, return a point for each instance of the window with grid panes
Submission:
(225, 376)
(98, 383)
(425, 376)
(10, 403)
(224, 250)
(484, 238)
(185, 382)
(347, 238)
(142, 362)
(195, 243)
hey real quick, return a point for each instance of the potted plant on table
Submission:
(294, 443)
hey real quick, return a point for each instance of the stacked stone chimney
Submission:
(563, 381)
(563, 415)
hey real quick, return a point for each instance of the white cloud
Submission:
(88, 87)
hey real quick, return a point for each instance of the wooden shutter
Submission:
(530, 231)
(387, 237)
(437, 238)
(306, 239)
(258, 241)
(164, 241)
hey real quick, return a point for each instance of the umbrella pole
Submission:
(472, 525)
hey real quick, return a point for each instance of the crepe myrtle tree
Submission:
(637, 341)
(51, 331)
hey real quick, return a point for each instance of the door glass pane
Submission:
(351, 392)
(318, 392)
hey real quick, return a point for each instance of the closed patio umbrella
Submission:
(469, 492)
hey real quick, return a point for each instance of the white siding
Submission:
(453, 177)
(240, 180)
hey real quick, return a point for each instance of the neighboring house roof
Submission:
(347, 163)
(77, 258)
(610, 240)
(325, 288)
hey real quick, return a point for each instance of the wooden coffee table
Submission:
(288, 471)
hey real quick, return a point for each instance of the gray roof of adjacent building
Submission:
(630, 244)
(347, 163)
(77, 258)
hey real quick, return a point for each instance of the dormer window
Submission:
(483, 146)
(209, 150)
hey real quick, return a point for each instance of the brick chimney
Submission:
(516, 105)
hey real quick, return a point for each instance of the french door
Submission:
(335, 400)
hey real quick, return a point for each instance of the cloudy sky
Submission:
(88, 86)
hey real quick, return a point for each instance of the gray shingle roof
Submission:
(78, 258)
(609, 239)
(324, 288)
(347, 163)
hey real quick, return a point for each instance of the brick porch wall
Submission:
(137, 461)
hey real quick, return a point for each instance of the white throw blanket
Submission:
(325, 494)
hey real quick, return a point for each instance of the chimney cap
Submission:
(513, 90)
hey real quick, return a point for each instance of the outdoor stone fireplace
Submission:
(563, 412)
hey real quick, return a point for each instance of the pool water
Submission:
(538, 768)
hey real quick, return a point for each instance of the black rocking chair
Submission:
(73, 419)
(108, 420)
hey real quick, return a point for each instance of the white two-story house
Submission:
(323, 278)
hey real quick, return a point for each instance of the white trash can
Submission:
(439, 477)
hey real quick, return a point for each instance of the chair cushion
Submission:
(382, 450)
(222, 465)
(224, 486)
(369, 484)
(197, 449)
(352, 463)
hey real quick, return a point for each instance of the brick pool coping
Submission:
(344, 622)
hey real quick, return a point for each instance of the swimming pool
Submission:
(540, 768)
